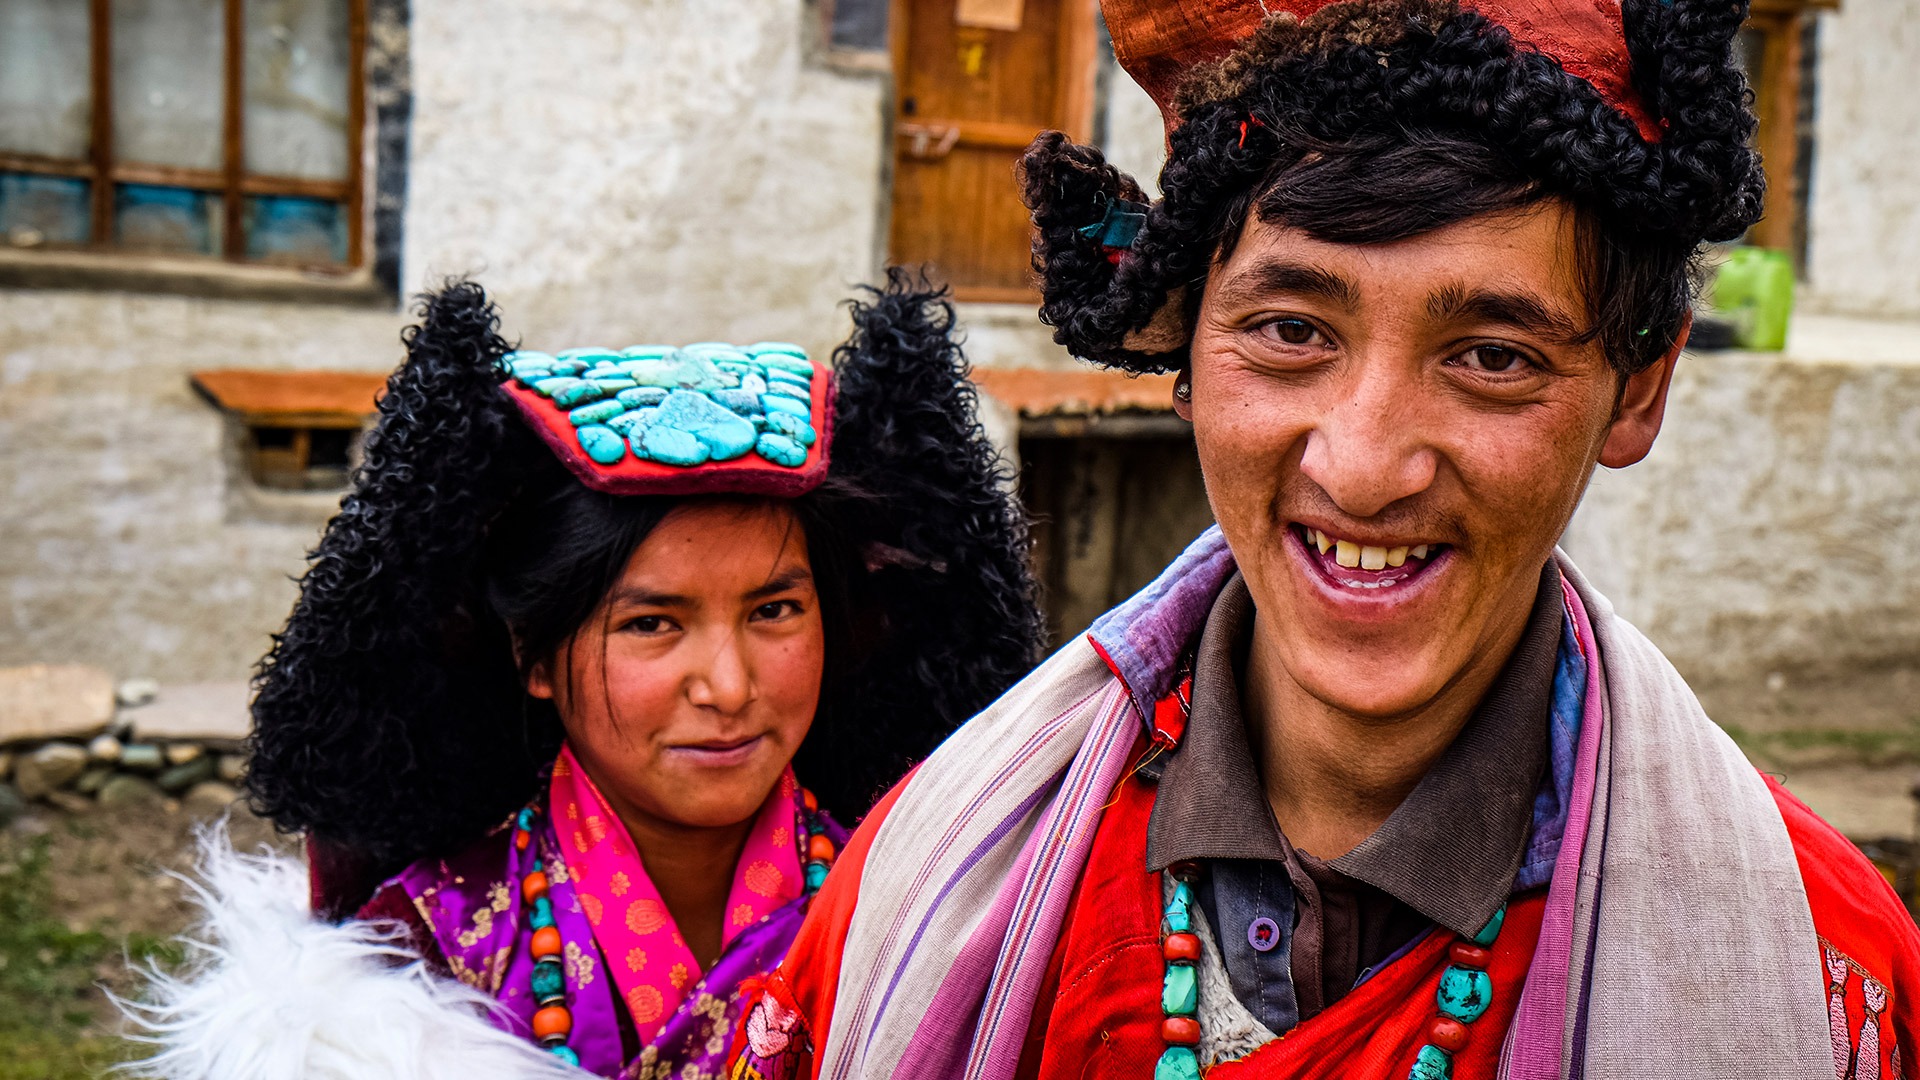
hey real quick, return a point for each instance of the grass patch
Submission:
(51, 1008)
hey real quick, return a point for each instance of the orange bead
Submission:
(1180, 1031)
(546, 942)
(1469, 956)
(554, 1021)
(1447, 1033)
(819, 848)
(807, 800)
(1181, 948)
(520, 839)
(533, 886)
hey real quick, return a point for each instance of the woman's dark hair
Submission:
(391, 721)
(1380, 121)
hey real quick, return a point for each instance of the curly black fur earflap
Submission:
(391, 722)
(378, 721)
(953, 604)
(1366, 74)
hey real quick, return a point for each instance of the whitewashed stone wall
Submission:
(611, 171)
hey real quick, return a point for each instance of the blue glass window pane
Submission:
(36, 210)
(167, 220)
(286, 228)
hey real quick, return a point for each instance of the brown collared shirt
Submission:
(1296, 932)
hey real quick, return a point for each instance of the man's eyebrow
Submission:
(1521, 310)
(1279, 276)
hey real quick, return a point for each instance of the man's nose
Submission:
(725, 682)
(1368, 449)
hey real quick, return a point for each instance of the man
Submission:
(1371, 783)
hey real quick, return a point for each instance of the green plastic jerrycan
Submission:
(1754, 289)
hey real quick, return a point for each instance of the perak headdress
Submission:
(1633, 109)
(390, 722)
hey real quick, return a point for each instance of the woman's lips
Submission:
(718, 753)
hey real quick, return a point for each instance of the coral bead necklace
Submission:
(552, 1018)
(1464, 995)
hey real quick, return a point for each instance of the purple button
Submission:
(1264, 934)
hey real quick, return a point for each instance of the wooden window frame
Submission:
(1776, 103)
(231, 181)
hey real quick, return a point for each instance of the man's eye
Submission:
(1295, 332)
(1493, 358)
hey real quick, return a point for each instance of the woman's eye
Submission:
(1295, 332)
(776, 610)
(1493, 358)
(650, 624)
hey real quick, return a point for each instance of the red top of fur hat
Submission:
(1158, 43)
(658, 420)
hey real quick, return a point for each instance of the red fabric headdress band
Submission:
(1158, 43)
(657, 420)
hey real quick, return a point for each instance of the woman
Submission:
(566, 657)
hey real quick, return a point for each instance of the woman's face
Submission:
(691, 688)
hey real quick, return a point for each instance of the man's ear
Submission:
(1642, 407)
(1183, 402)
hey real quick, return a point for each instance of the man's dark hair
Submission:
(1373, 122)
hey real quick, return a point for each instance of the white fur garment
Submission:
(270, 993)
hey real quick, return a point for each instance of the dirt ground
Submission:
(82, 898)
(1847, 744)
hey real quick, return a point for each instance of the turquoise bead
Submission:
(781, 377)
(1492, 930)
(671, 446)
(1178, 918)
(548, 980)
(542, 915)
(587, 355)
(781, 450)
(1180, 991)
(788, 390)
(773, 402)
(1178, 1063)
(597, 413)
(739, 402)
(754, 383)
(602, 444)
(553, 384)
(1464, 993)
(525, 820)
(564, 366)
(566, 1054)
(646, 352)
(1432, 1063)
(612, 383)
(816, 875)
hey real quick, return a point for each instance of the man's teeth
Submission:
(1346, 553)
(1365, 556)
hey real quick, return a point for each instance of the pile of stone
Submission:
(72, 739)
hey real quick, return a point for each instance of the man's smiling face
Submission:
(1393, 437)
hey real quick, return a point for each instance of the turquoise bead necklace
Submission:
(1465, 993)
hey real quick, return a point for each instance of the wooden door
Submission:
(975, 80)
